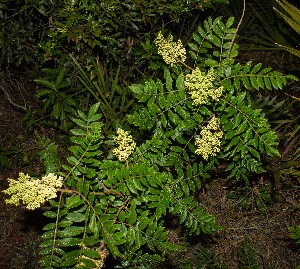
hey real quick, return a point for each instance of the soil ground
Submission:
(20, 229)
(242, 219)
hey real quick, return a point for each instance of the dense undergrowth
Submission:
(151, 102)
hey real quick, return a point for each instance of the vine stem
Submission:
(75, 165)
(107, 192)
(11, 102)
(237, 28)
(56, 228)
(187, 66)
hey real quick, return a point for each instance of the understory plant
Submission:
(247, 255)
(117, 193)
(60, 98)
(22, 27)
(291, 15)
(110, 28)
(295, 234)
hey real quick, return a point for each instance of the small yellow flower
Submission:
(201, 86)
(210, 141)
(214, 124)
(126, 145)
(172, 52)
(33, 192)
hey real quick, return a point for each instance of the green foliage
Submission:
(291, 15)
(104, 87)
(5, 154)
(36, 31)
(167, 108)
(266, 29)
(110, 27)
(48, 154)
(57, 98)
(200, 257)
(212, 43)
(64, 91)
(295, 233)
(247, 255)
(261, 29)
(12, 152)
(276, 110)
(288, 165)
(247, 197)
(123, 206)
(22, 25)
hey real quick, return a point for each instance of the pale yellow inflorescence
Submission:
(126, 145)
(172, 52)
(33, 192)
(201, 86)
(210, 141)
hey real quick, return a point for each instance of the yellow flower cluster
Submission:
(172, 52)
(210, 141)
(201, 86)
(126, 145)
(33, 192)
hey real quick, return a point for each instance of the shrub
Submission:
(109, 29)
(22, 28)
(188, 121)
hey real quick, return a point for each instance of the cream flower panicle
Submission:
(126, 145)
(210, 141)
(214, 124)
(201, 86)
(33, 192)
(172, 52)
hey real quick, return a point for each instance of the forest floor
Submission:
(256, 217)
(20, 229)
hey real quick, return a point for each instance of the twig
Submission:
(237, 28)
(20, 91)
(21, 108)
